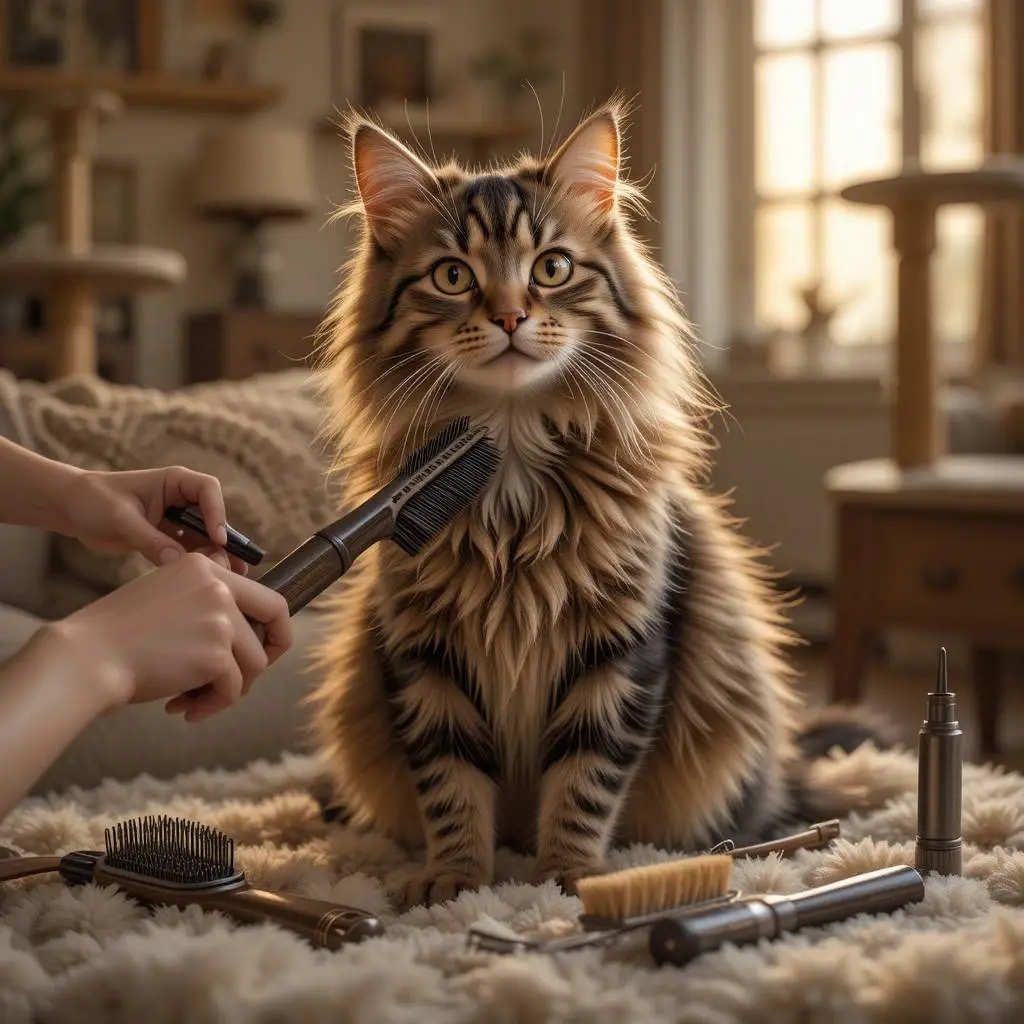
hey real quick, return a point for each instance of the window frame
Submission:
(709, 140)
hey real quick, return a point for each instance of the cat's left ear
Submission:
(588, 161)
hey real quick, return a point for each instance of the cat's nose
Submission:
(510, 320)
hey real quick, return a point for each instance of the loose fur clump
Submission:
(593, 653)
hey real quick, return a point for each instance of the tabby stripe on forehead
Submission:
(620, 302)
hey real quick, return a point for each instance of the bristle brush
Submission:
(436, 484)
(623, 901)
(175, 862)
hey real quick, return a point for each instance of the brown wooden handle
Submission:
(940, 578)
(22, 867)
(330, 925)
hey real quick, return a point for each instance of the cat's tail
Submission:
(822, 786)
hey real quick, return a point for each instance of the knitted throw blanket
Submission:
(260, 437)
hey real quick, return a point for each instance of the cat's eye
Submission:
(552, 269)
(453, 277)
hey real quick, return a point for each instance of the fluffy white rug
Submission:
(89, 954)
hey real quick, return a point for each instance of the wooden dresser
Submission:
(939, 548)
(238, 343)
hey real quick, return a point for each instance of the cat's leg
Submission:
(601, 729)
(452, 760)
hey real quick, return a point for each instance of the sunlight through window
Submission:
(830, 109)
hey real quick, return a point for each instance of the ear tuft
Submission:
(588, 161)
(391, 180)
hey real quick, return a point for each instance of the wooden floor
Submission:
(901, 695)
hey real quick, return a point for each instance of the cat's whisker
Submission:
(410, 387)
(424, 400)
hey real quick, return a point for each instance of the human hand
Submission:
(124, 511)
(178, 628)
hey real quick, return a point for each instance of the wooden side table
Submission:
(238, 343)
(939, 548)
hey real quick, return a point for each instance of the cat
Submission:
(593, 653)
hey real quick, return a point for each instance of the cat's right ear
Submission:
(392, 182)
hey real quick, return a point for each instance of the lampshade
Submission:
(255, 169)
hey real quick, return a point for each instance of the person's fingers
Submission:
(219, 694)
(268, 607)
(134, 530)
(237, 565)
(187, 487)
(249, 653)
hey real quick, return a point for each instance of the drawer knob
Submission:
(940, 578)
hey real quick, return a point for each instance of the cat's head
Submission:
(520, 287)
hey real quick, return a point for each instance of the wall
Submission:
(298, 54)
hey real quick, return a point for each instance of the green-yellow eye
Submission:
(453, 277)
(552, 269)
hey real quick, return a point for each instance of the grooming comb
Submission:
(175, 862)
(436, 484)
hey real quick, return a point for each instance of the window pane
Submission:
(783, 22)
(861, 116)
(782, 236)
(784, 119)
(956, 272)
(859, 272)
(846, 19)
(932, 8)
(951, 76)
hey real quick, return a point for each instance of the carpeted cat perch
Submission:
(91, 955)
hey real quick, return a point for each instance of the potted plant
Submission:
(510, 72)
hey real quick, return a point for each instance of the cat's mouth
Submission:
(512, 367)
(509, 356)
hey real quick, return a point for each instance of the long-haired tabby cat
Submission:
(592, 654)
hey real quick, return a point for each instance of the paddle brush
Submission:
(175, 862)
(435, 485)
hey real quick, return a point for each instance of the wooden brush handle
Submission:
(322, 923)
(22, 867)
(818, 835)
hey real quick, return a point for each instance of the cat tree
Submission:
(928, 540)
(70, 270)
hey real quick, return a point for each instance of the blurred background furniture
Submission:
(925, 539)
(238, 343)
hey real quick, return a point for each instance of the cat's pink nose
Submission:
(509, 320)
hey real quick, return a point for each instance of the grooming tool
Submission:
(623, 901)
(436, 483)
(176, 862)
(238, 544)
(13, 865)
(940, 782)
(611, 899)
(678, 939)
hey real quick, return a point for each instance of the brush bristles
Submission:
(645, 890)
(170, 850)
(434, 446)
(437, 504)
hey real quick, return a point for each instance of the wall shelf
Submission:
(165, 92)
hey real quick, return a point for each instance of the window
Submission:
(829, 108)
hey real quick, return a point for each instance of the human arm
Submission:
(181, 627)
(111, 510)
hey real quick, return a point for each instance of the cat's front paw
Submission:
(437, 884)
(566, 875)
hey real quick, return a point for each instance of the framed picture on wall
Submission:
(119, 36)
(384, 56)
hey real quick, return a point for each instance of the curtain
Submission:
(620, 54)
(1001, 326)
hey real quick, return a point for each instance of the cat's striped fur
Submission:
(593, 653)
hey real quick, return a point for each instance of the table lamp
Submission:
(252, 172)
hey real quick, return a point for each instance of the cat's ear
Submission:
(588, 161)
(391, 181)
